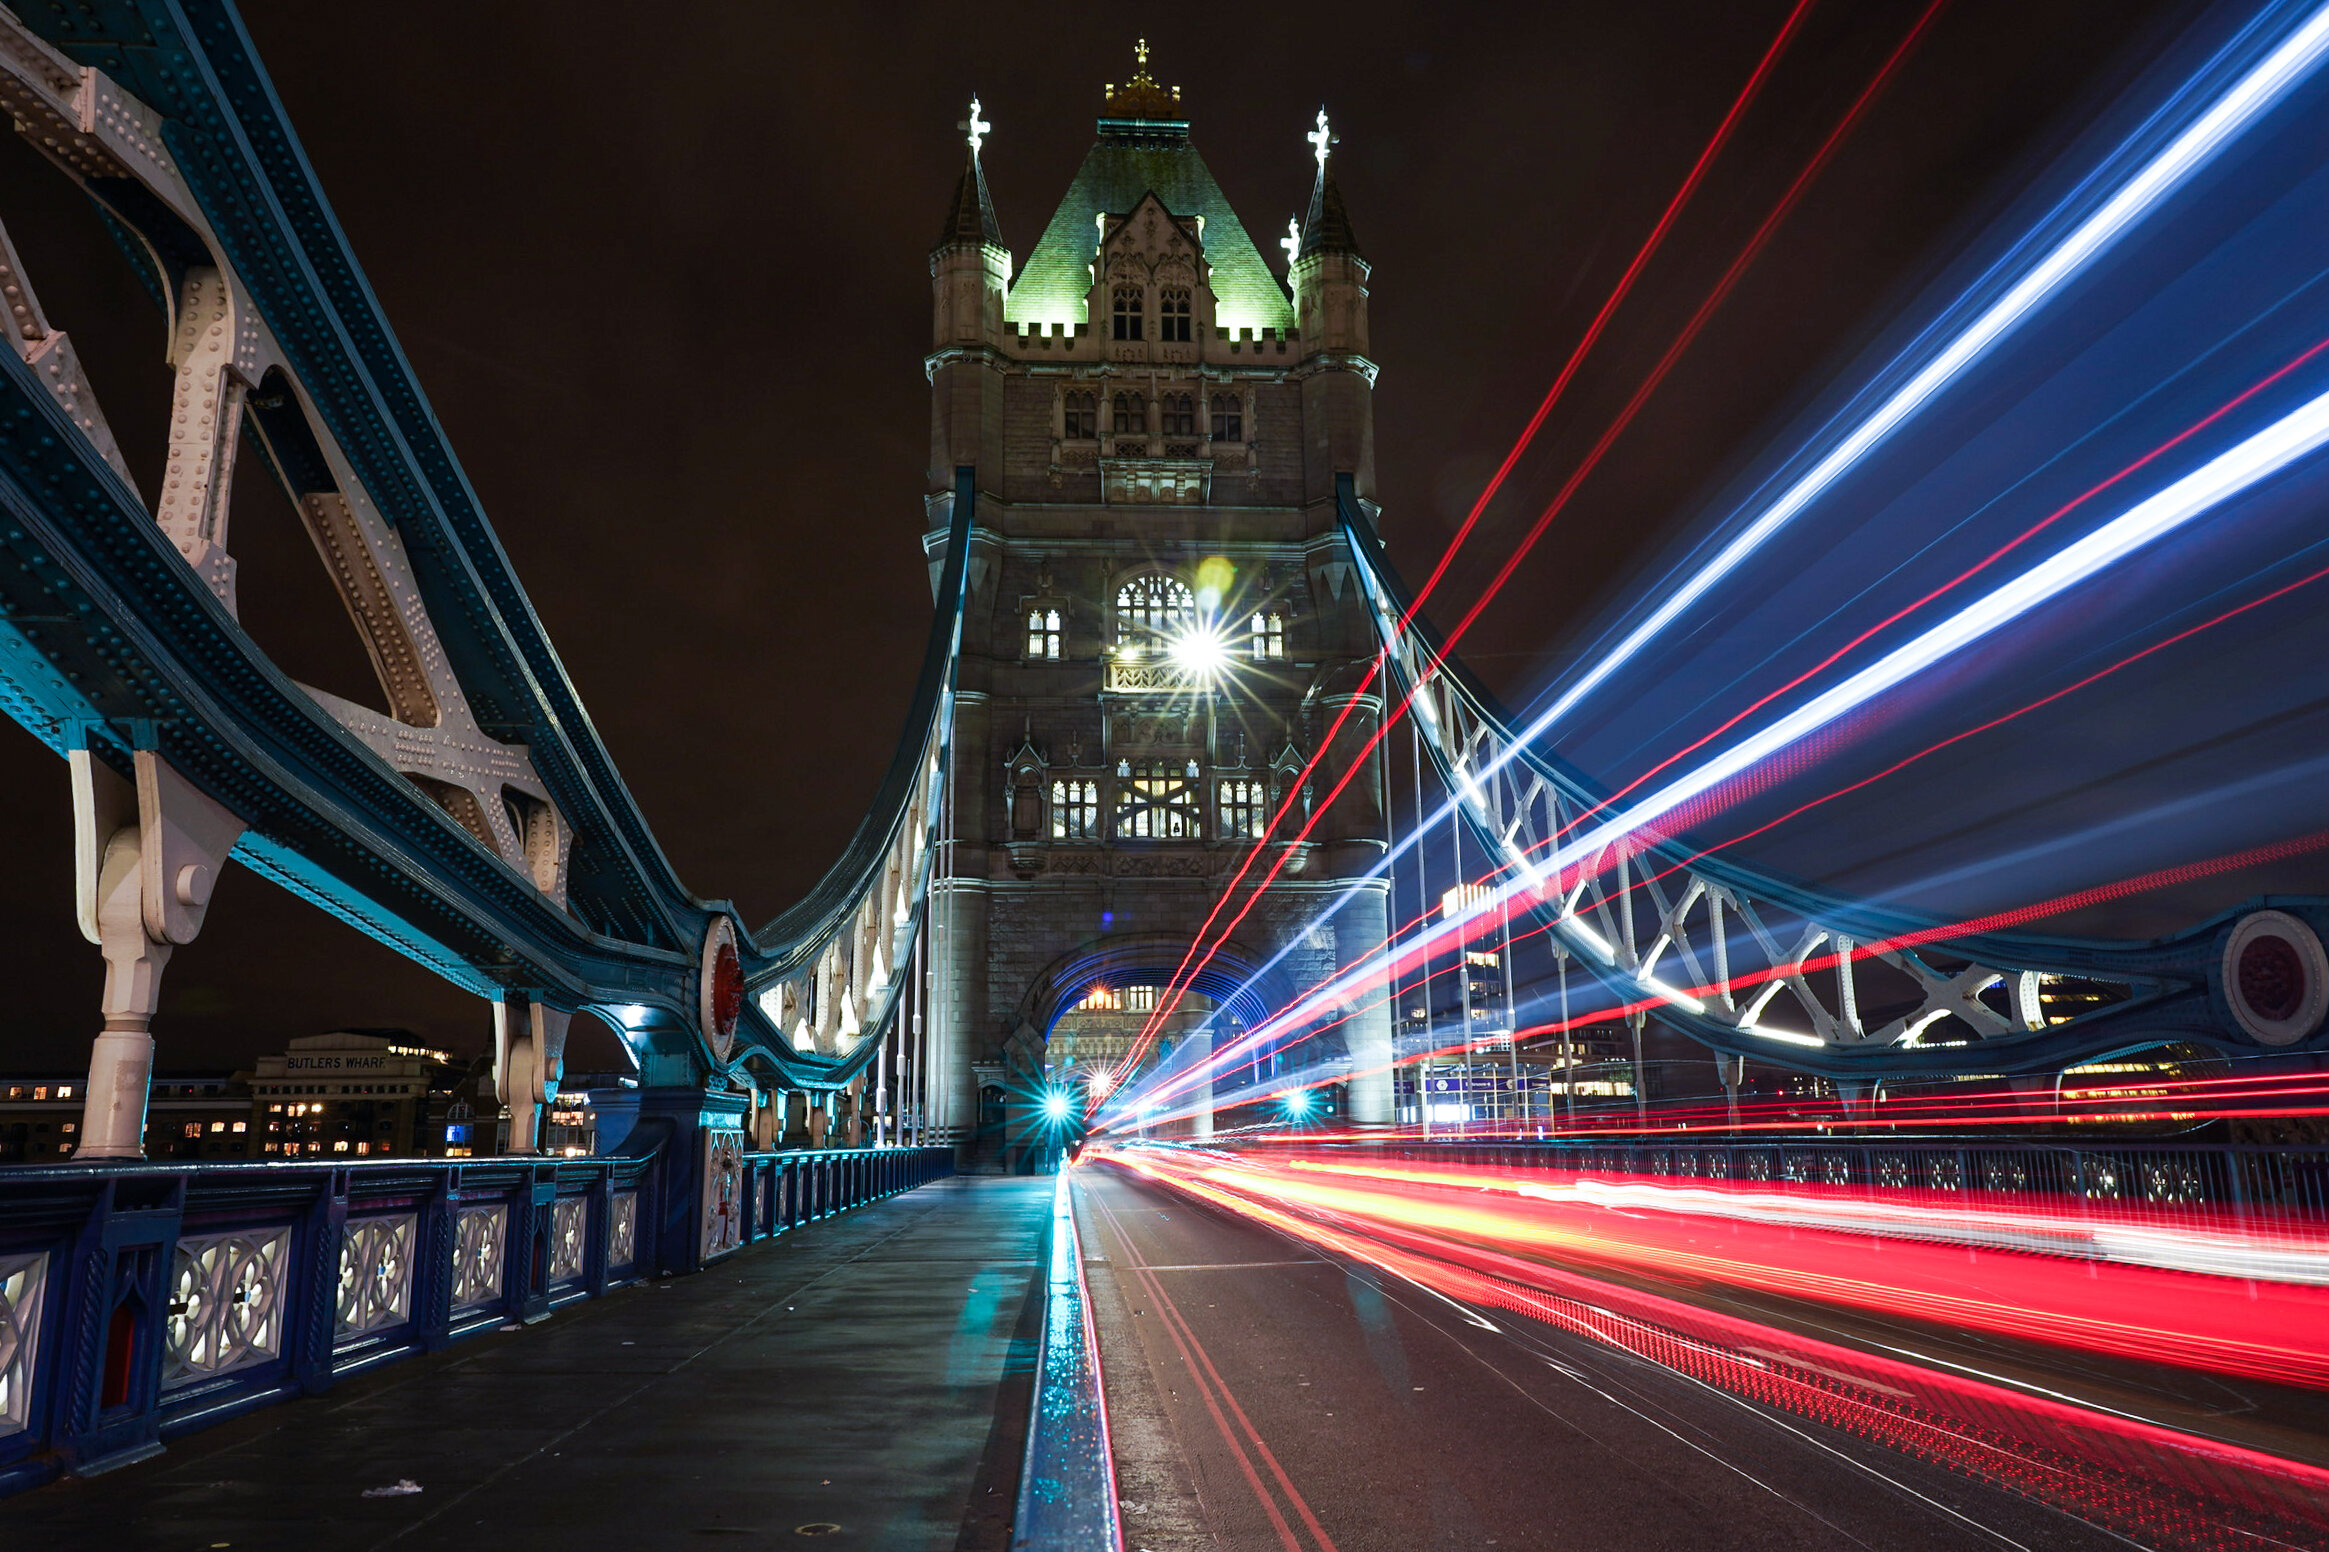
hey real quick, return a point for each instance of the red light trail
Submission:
(1470, 1235)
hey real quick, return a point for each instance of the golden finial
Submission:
(1141, 97)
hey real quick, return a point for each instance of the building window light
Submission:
(1075, 810)
(1156, 801)
(1043, 634)
(1243, 808)
(1267, 638)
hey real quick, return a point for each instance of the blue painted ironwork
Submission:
(110, 641)
(1067, 1482)
(141, 1302)
(1634, 913)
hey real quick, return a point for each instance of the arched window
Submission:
(1228, 418)
(1043, 633)
(1156, 800)
(1080, 417)
(1126, 312)
(1244, 810)
(1180, 414)
(1269, 637)
(1172, 310)
(1153, 609)
(1075, 810)
(1130, 415)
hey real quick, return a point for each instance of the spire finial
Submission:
(1320, 139)
(1141, 97)
(1140, 54)
(974, 127)
(1292, 241)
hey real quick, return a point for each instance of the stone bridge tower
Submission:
(1163, 620)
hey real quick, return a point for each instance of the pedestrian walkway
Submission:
(864, 1379)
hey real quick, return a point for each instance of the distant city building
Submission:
(192, 1115)
(358, 1093)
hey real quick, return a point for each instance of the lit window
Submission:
(193, 1129)
(362, 1147)
(1043, 633)
(1173, 315)
(70, 1126)
(65, 1091)
(1075, 810)
(1126, 312)
(1269, 637)
(1180, 414)
(1228, 418)
(1156, 800)
(1140, 999)
(340, 1146)
(1102, 999)
(1127, 415)
(1244, 810)
(242, 1126)
(218, 1126)
(41, 1093)
(1151, 610)
(1080, 420)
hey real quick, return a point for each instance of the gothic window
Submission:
(1269, 638)
(1075, 810)
(1126, 312)
(1043, 633)
(1103, 999)
(1081, 418)
(1156, 800)
(1140, 999)
(1180, 414)
(1244, 810)
(1173, 315)
(1131, 417)
(1153, 609)
(1228, 418)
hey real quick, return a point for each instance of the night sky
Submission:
(663, 274)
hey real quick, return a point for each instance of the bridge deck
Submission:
(869, 1371)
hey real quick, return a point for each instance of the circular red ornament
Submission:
(727, 988)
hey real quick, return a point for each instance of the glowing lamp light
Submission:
(1200, 652)
(1297, 1104)
(1055, 1106)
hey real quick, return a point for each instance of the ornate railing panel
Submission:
(376, 1274)
(1753, 965)
(226, 1304)
(21, 1279)
(137, 1301)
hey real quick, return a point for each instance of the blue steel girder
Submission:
(110, 640)
(1707, 947)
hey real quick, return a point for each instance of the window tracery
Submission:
(1080, 417)
(1180, 414)
(1173, 315)
(1243, 809)
(1125, 310)
(1130, 416)
(1268, 638)
(1075, 810)
(1156, 800)
(1152, 609)
(1043, 634)
(1228, 418)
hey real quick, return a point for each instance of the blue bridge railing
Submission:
(140, 1302)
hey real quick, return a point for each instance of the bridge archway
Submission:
(1234, 979)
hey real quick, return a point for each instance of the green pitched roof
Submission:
(1133, 158)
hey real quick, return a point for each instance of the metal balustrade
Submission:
(139, 1302)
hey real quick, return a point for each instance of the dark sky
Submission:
(663, 275)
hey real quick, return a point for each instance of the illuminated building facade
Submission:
(1164, 626)
(357, 1093)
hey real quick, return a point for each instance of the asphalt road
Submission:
(1263, 1396)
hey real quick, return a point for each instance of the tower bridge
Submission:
(1359, 1053)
